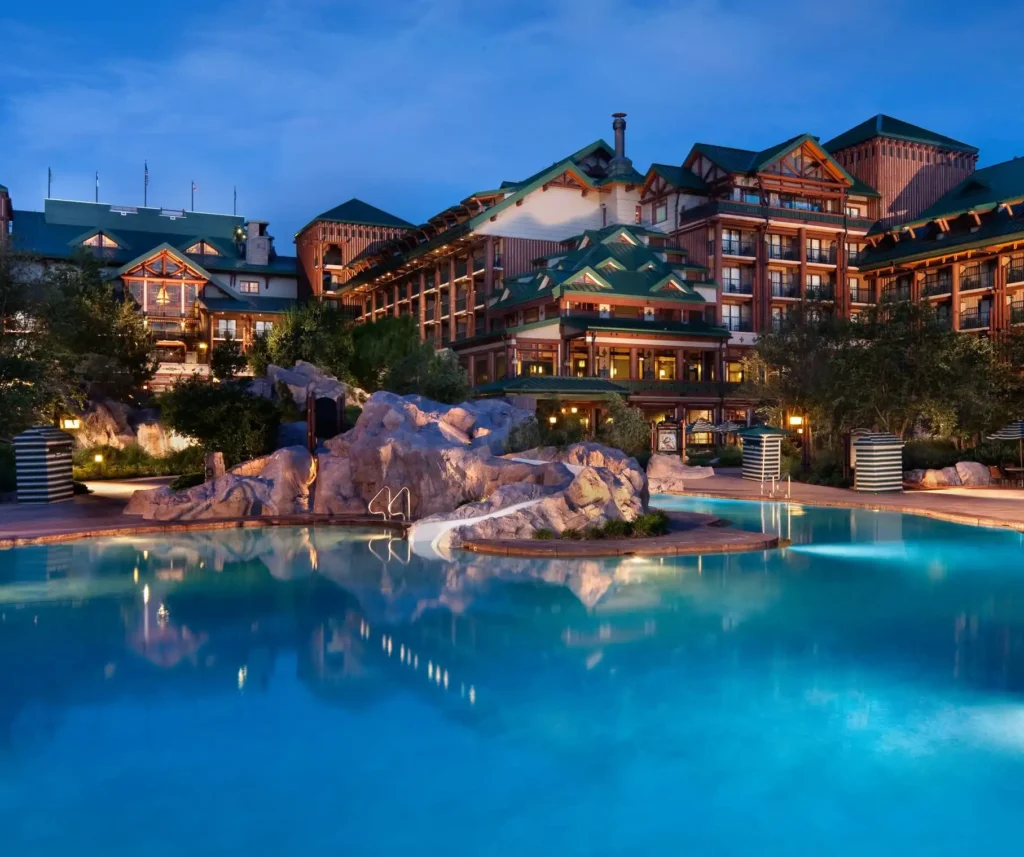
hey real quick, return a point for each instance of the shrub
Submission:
(445, 380)
(525, 435)
(626, 428)
(544, 534)
(572, 534)
(700, 459)
(930, 454)
(827, 469)
(651, 524)
(729, 456)
(617, 529)
(133, 462)
(352, 414)
(222, 418)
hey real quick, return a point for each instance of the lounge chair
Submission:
(996, 475)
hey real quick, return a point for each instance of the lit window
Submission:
(264, 327)
(99, 240)
(225, 328)
(249, 287)
(201, 248)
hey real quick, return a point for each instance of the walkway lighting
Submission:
(98, 458)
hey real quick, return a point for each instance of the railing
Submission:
(460, 270)
(460, 303)
(746, 209)
(941, 286)
(789, 253)
(733, 288)
(222, 335)
(785, 290)
(824, 292)
(737, 247)
(1017, 312)
(738, 325)
(821, 255)
(895, 293)
(975, 318)
(976, 278)
(681, 388)
(944, 320)
(861, 296)
(851, 257)
(1015, 271)
(167, 311)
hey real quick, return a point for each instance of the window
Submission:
(225, 328)
(736, 316)
(665, 366)
(99, 240)
(734, 372)
(620, 364)
(249, 287)
(854, 211)
(637, 214)
(661, 211)
(730, 279)
(264, 327)
(201, 248)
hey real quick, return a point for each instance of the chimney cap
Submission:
(619, 115)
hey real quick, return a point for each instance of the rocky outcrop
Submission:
(667, 474)
(579, 455)
(110, 423)
(431, 449)
(969, 473)
(276, 484)
(305, 378)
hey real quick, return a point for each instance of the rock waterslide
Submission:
(460, 486)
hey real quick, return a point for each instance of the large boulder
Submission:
(576, 456)
(973, 474)
(305, 378)
(276, 484)
(105, 423)
(667, 474)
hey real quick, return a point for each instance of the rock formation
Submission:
(444, 455)
(305, 378)
(969, 473)
(667, 474)
(110, 423)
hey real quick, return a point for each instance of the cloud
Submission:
(411, 104)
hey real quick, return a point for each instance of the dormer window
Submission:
(99, 240)
(201, 248)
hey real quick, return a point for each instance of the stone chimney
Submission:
(257, 243)
(620, 164)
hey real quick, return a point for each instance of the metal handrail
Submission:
(384, 512)
(407, 514)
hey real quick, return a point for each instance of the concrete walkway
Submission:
(991, 507)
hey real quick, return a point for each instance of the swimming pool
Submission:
(321, 691)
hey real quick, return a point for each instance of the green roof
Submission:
(361, 214)
(58, 231)
(982, 192)
(896, 129)
(247, 303)
(514, 190)
(614, 260)
(747, 161)
(551, 385)
(680, 177)
(639, 325)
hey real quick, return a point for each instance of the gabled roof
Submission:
(58, 231)
(636, 270)
(361, 214)
(227, 301)
(981, 191)
(678, 177)
(896, 129)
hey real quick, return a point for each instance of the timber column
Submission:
(452, 292)
(422, 304)
(1000, 318)
(718, 271)
(954, 309)
(802, 285)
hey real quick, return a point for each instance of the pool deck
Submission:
(993, 507)
(691, 533)
(100, 514)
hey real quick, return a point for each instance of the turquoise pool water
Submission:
(319, 691)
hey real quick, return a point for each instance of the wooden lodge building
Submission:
(199, 279)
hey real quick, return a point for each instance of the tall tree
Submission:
(313, 332)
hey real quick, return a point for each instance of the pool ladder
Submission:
(388, 513)
(778, 487)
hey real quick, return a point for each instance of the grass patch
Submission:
(645, 526)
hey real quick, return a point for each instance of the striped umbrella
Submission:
(1014, 431)
(728, 427)
(700, 427)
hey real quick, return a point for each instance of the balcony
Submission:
(460, 270)
(821, 255)
(785, 290)
(974, 318)
(680, 388)
(824, 292)
(1017, 312)
(976, 278)
(738, 325)
(731, 287)
(935, 288)
(460, 303)
(861, 296)
(784, 252)
(752, 209)
(738, 247)
(1015, 271)
(894, 294)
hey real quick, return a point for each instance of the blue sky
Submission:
(412, 104)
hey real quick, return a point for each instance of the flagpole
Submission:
(193, 196)
(145, 183)
(97, 193)
(49, 181)
(234, 202)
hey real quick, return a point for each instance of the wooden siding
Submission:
(518, 253)
(350, 239)
(908, 183)
(695, 243)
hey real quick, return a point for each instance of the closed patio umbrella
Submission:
(1014, 431)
